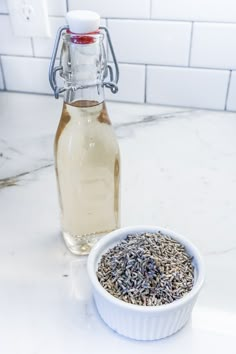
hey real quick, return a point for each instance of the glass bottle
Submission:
(87, 158)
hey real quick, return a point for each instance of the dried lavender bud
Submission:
(149, 269)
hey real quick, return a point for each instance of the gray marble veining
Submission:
(178, 171)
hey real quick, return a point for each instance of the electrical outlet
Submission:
(29, 18)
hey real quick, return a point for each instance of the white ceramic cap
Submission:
(83, 21)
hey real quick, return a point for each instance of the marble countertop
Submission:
(178, 171)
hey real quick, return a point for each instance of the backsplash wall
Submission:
(171, 52)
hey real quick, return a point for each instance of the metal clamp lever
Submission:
(111, 84)
(53, 70)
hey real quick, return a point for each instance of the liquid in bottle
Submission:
(88, 171)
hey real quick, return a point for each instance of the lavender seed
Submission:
(148, 269)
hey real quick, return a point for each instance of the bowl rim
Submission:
(118, 235)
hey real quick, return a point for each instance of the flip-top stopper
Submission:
(82, 21)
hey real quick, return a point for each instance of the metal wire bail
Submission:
(110, 80)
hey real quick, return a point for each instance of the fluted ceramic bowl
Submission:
(136, 321)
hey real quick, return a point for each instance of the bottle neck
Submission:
(83, 64)
(88, 95)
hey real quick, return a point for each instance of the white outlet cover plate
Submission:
(29, 18)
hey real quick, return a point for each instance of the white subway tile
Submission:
(3, 7)
(194, 10)
(131, 84)
(26, 74)
(187, 87)
(231, 103)
(117, 9)
(43, 46)
(151, 42)
(212, 45)
(56, 7)
(10, 44)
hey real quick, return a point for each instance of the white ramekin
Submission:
(143, 322)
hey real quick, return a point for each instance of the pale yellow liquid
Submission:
(88, 174)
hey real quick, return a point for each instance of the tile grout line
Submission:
(145, 85)
(227, 91)
(56, 16)
(126, 102)
(131, 63)
(3, 75)
(21, 56)
(171, 66)
(49, 16)
(157, 20)
(32, 46)
(150, 11)
(190, 45)
(147, 18)
(29, 92)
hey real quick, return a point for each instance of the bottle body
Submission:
(87, 161)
